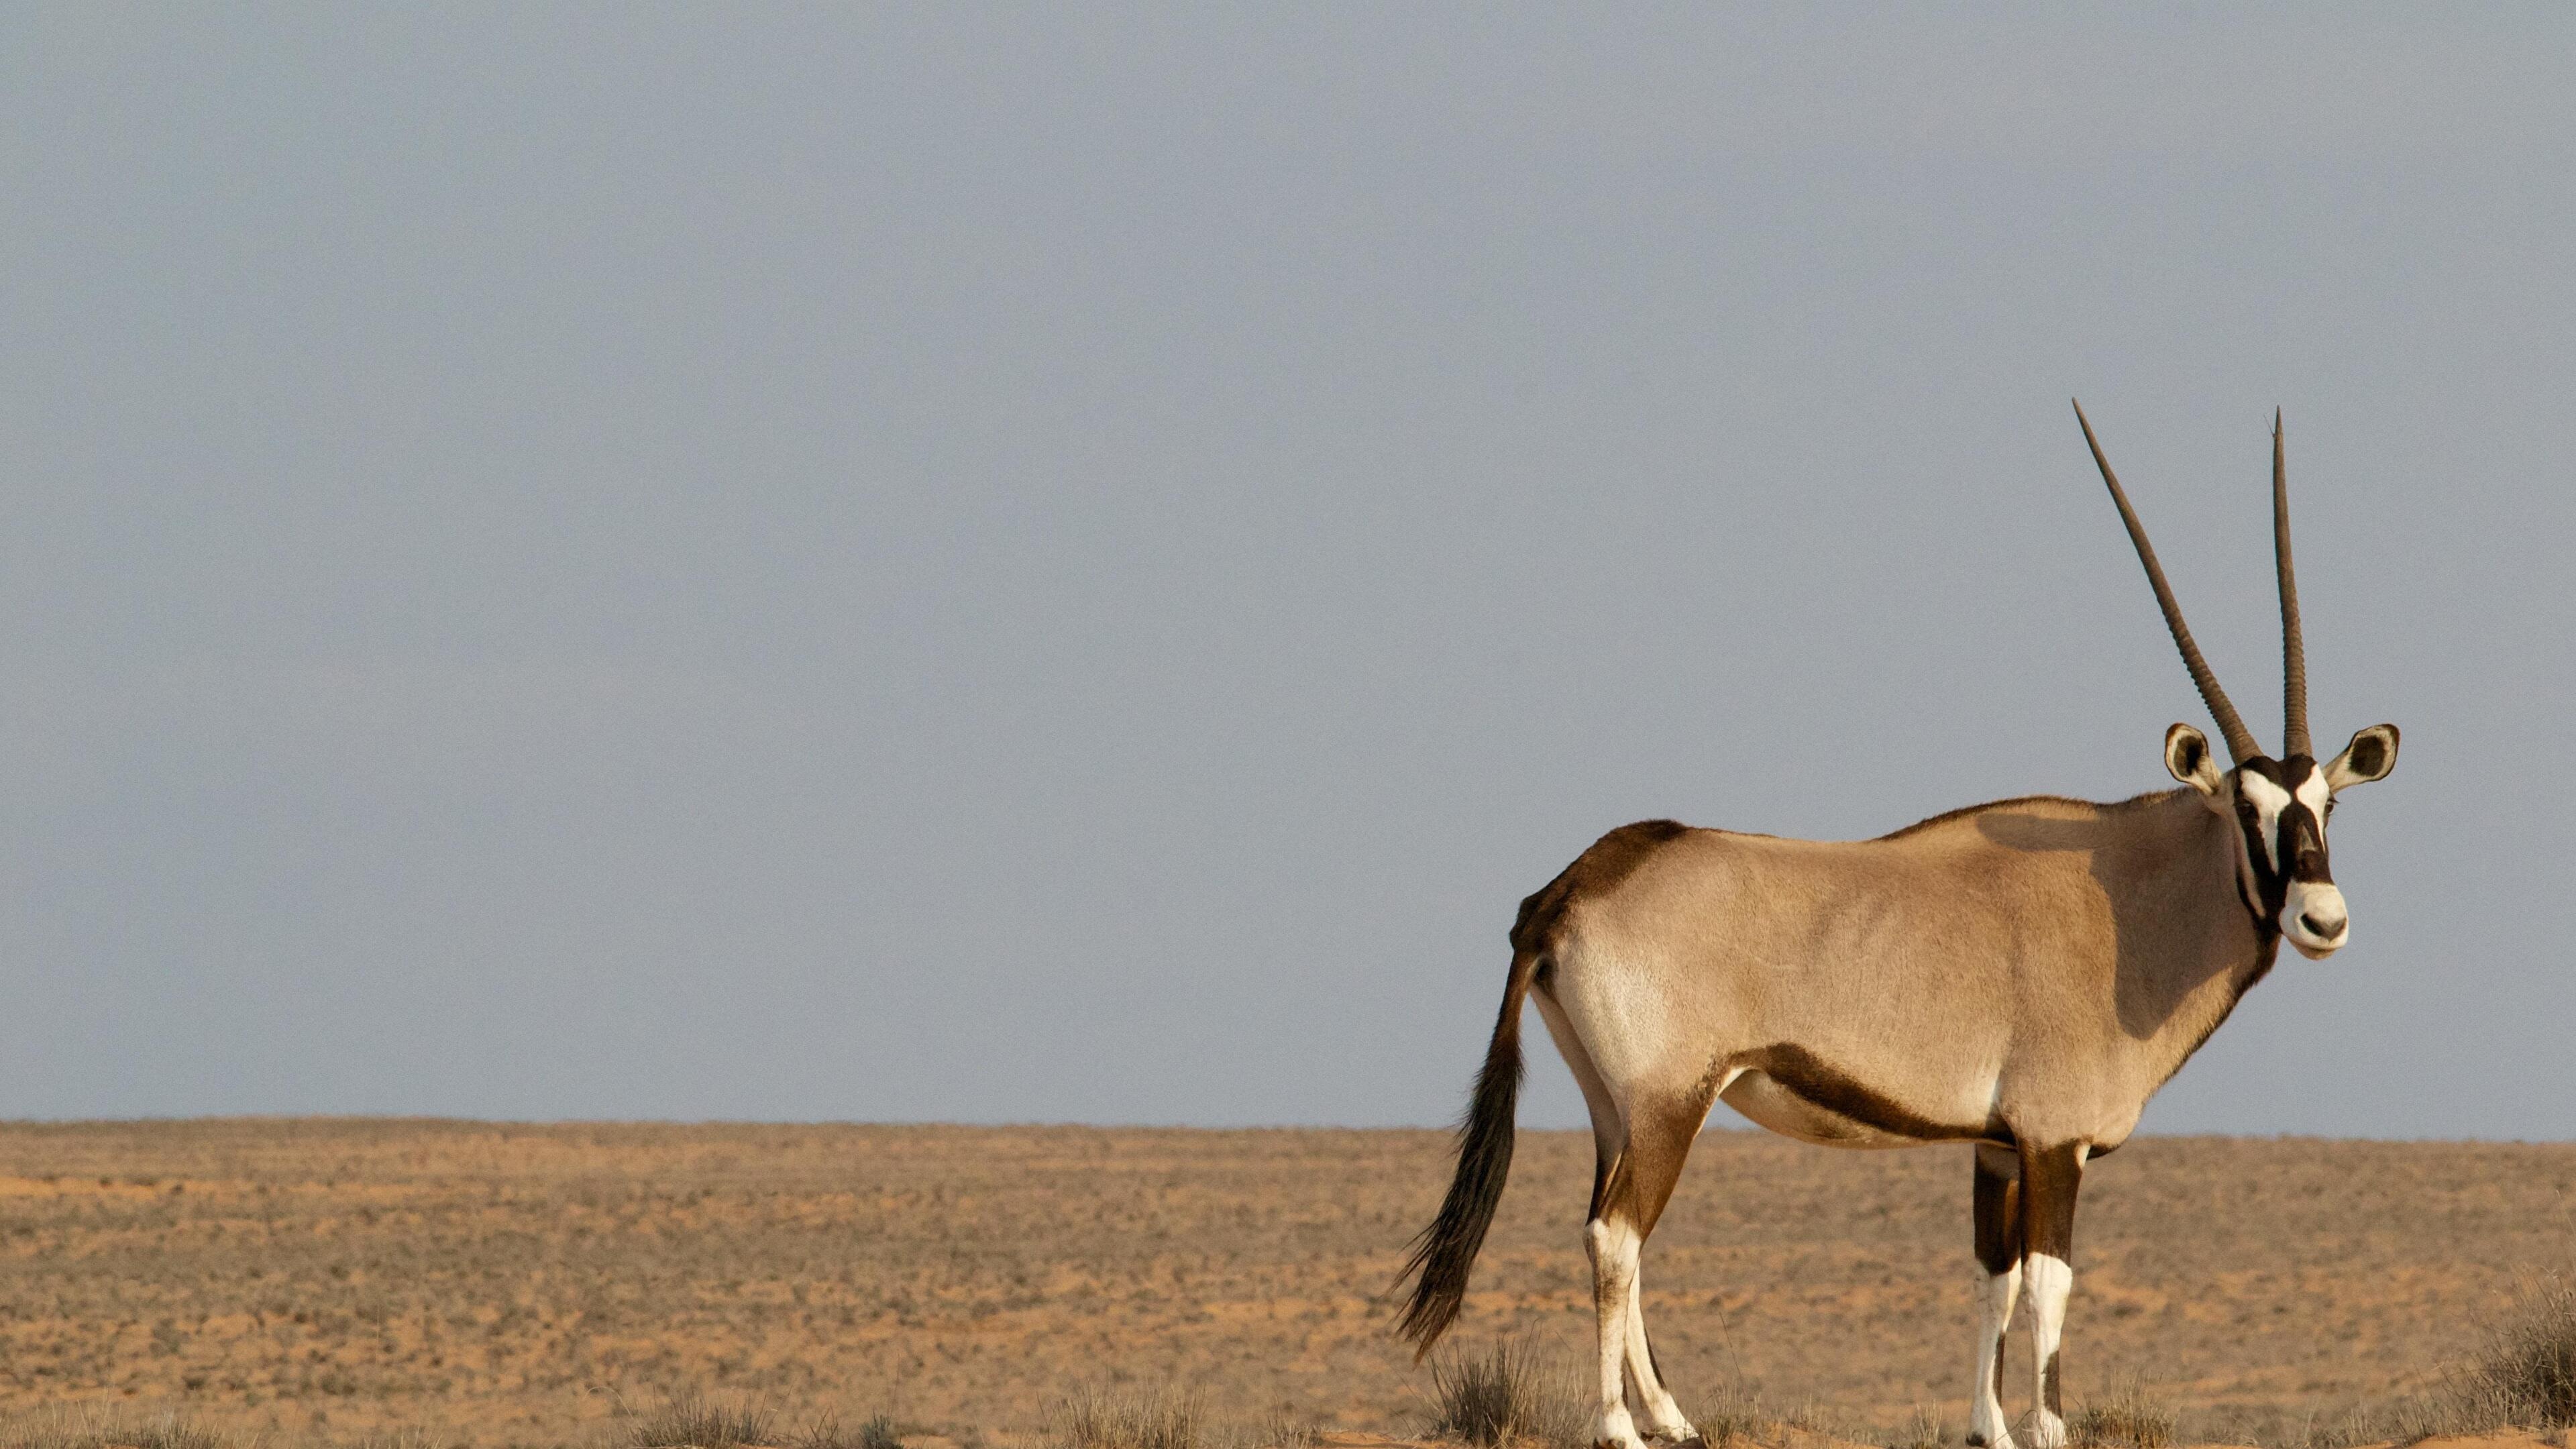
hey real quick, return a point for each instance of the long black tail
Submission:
(1447, 1249)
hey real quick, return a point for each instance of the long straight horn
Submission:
(2294, 654)
(2240, 740)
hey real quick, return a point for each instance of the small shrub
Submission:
(691, 1420)
(2129, 1417)
(879, 1433)
(1095, 1420)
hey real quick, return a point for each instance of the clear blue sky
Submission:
(1076, 562)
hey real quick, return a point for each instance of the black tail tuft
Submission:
(1447, 1249)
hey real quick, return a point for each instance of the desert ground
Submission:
(504, 1284)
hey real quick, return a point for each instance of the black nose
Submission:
(2324, 929)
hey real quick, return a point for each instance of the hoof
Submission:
(1615, 1430)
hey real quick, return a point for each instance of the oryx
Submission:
(2021, 976)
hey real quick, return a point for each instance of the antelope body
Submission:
(2020, 976)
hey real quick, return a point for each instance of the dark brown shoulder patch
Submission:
(1607, 863)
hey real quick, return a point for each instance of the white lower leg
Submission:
(2050, 1280)
(1996, 1293)
(1613, 1247)
(1664, 1418)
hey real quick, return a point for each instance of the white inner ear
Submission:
(2203, 772)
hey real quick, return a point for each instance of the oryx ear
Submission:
(2187, 756)
(2370, 756)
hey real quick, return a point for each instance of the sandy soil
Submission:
(517, 1283)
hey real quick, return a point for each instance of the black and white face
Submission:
(2281, 808)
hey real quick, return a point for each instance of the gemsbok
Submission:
(2020, 976)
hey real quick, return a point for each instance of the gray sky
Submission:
(985, 564)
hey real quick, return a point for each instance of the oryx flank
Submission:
(2020, 976)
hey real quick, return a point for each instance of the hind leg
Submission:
(1638, 1152)
(1609, 1243)
(1627, 1203)
(1609, 1240)
(1659, 1141)
(1612, 1245)
(1664, 1417)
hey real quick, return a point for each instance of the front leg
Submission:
(1998, 1225)
(2049, 1178)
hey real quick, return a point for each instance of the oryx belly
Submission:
(1766, 1103)
(1798, 1093)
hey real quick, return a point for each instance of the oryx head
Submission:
(2279, 805)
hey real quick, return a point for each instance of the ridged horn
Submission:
(2294, 653)
(2240, 740)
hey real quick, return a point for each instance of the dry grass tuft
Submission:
(2316, 1429)
(1813, 1415)
(691, 1420)
(1736, 1412)
(1512, 1391)
(2522, 1375)
(2130, 1416)
(2525, 1372)
(86, 1429)
(1092, 1419)
(828, 1432)
(1926, 1430)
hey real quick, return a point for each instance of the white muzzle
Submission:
(2314, 919)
